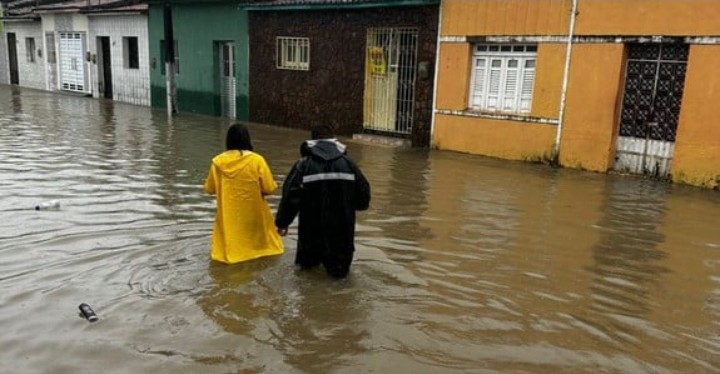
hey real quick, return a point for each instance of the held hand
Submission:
(282, 231)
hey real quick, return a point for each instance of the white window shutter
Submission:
(494, 84)
(511, 86)
(479, 82)
(528, 80)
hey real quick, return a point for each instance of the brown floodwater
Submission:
(464, 264)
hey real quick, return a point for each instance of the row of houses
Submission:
(598, 85)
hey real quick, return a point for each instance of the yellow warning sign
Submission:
(376, 61)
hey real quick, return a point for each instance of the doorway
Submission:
(654, 84)
(391, 60)
(227, 79)
(105, 67)
(12, 58)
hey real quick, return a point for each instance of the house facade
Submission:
(211, 53)
(360, 66)
(94, 48)
(591, 84)
(119, 53)
(25, 64)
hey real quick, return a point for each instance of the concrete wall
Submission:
(697, 151)
(129, 85)
(31, 74)
(197, 29)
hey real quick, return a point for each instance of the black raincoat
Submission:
(325, 188)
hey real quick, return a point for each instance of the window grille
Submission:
(293, 53)
(503, 76)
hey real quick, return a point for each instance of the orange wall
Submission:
(497, 138)
(491, 137)
(595, 83)
(648, 17)
(453, 82)
(505, 17)
(697, 148)
(548, 80)
(595, 17)
(454, 73)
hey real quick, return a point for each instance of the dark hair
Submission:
(238, 137)
(321, 132)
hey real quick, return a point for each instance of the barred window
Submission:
(503, 76)
(293, 53)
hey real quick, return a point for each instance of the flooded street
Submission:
(464, 264)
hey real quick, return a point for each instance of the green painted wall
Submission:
(197, 28)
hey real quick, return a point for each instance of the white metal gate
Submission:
(654, 85)
(73, 74)
(227, 79)
(391, 60)
(51, 59)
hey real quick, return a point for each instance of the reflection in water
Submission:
(627, 257)
(464, 264)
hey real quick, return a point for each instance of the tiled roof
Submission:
(24, 8)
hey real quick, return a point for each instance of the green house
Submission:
(211, 56)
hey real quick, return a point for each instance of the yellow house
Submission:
(599, 85)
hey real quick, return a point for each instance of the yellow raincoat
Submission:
(244, 228)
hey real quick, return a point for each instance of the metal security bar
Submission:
(391, 60)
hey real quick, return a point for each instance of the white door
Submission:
(73, 74)
(227, 79)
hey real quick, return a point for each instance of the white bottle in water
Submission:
(48, 205)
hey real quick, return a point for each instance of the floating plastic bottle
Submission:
(87, 312)
(48, 205)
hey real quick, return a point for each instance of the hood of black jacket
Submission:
(326, 149)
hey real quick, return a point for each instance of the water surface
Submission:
(464, 264)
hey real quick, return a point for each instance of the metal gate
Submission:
(227, 79)
(654, 82)
(73, 74)
(51, 59)
(390, 70)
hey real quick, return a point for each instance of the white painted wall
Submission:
(129, 85)
(30, 74)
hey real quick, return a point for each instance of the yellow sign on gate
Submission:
(376, 61)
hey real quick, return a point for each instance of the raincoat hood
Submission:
(326, 149)
(233, 162)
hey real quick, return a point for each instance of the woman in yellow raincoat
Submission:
(244, 228)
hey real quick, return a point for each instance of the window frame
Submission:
(502, 78)
(292, 53)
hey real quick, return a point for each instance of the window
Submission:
(30, 49)
(293, 53)
(503, 77)
(130, 52)
(163, 53)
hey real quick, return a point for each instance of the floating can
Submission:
(88, 312)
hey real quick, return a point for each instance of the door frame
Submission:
(650, 108)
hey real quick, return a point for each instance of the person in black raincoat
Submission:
(325, 188)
